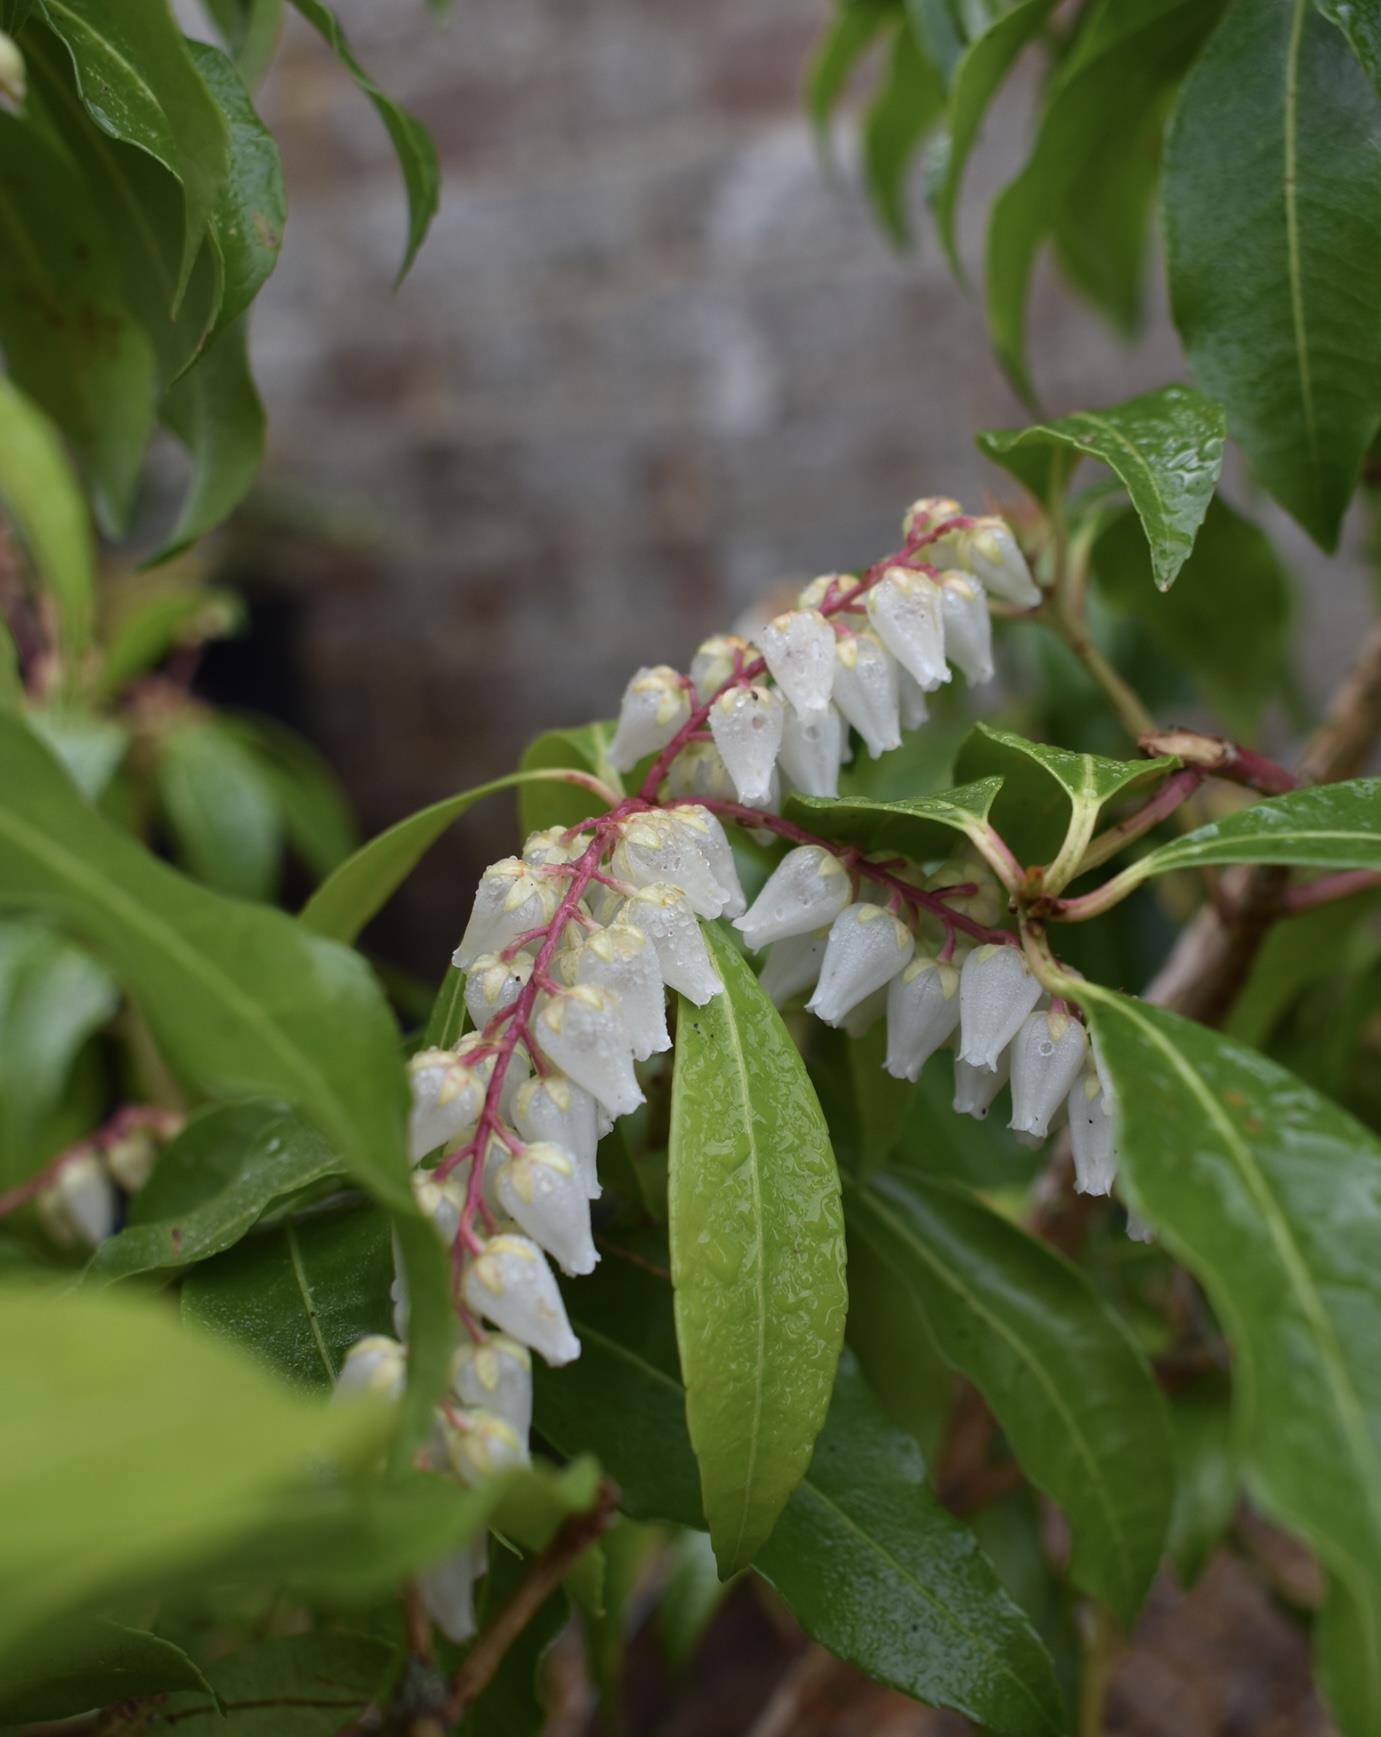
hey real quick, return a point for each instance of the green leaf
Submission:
(363, 884)
(1166, 447)
(303, 1685)
(1227, 621)
(1062, 1375)
(156, 624)
(977, 79)
(204, 1441)
(92, 1664)
(922, 828)
(1205, 1478)
(52, 998)
(691, 1594)
(1277, 124)
(299, 1296)
(846, 40)
(250, 30)
(908, 104)
(1128, 54)
(221, 811)
(1360, 22)
(757, 1255)
(446, 1022)
(11, 681)
(89, 748)
(139, 83)
(1271, 1195)
(312, 804)
(215, 411)
(411, 141)
(71, 347)
(43, 500)
(584, 747)
(1334, 826)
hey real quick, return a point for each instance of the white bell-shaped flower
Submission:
(478, 1055)
(512, 899)
(80, 1205)
(551, 848)
(866, 949)
(840, 586)
(922, 1013)
(480, 1445)
(542, 1191)
(376, 1366)
(792, 967)
(907, 614)
(989, 551)
(1092, 1134)
(911, 702)
(930, 510)
(699, 770)
(663, 915)
(554, 1108)
(493, 984)
(510, 1284)
(1137, 1228)
(624, 963)
(1047, 1057)
(798, 648)
(495, 1376)
(976, 1087)
(865, 690)
(447, 1097)
(652, 848)
(656, 703)
(805, 892)
(747, 724)
(813, 750)
(996, 992)
(717, 661)
(968, 626)
(448, 1590)
(711, 840)
(584, 1033)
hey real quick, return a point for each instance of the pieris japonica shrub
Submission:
(895, 1138)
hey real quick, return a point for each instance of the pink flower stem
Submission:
(129, 1119)
(1328, 888)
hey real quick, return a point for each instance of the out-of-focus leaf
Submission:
(1316, 948)
(909, 102)
(220, 809)
(303, 1685)
(93, 1663)
(11, 682)
(89, 748)
(847, 38)
(45, 504)
(1205, 1478)
(249, 29)
(1334, 826)
(587, 749)
(215, 411)
(143, 635)
(312, 805)
(691, 1594)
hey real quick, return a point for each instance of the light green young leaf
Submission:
(908, 104)
(89, 748)
(921, 828)
(1166, 447)
(220, 809)
(757, 1255)
(92, 1662)
(1277, 124)
(847, 38)
(1062, 1375)
(1271, 1195)
(1333, 826)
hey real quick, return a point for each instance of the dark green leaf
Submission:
(586, 748)
(691, 1594)
(1205, 1478)
(1166, 448)
(846, 40)
(757, 1255)
(1316, 949)
(304, 1685)
(312, 804)
(411, 141)
(220, 809)
(1335, 826)
(42, 498)
(1360, 22)
(92, 1663)
(215, 411)
(249, 29)
(908, 104)
(922, 828)
(1278, 125)
(1061, 1373)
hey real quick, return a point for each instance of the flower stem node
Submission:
(804, 893)
(792, 967)
(922, 1014)
(906, 610)
(555, 1109)
(865, 690)
(968, 626)
(835, 588)
(929, 510)
(996, 992)
(481, 1444)
(376, 1366)
(495, 1376)
(718, 659)
(512, 900)
(1048, 1054)
(447, 1097)
(493, 984)
(583, 1031)
(542, 1190)
(747, 724)
(798, 649)
(664, 916)
(867, 947)
(621, 962)
(656, 703)
(479, 1055)
(78, 1208)
(813, 750)
(1092, 1134)
(510, 1284)
(976, 1087)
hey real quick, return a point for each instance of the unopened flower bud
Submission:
(1137, 1228)
(79, 1206)
(798, 648)
(441, 1202)
(968, 626)
(907, 614)
(1047, 1056)
(377, 1366)
(813, 750)
(747, 724)
(12, 74)
(493, 984)
(448, 1590)
(130, 1158)
(542, 1191)
(654, 848)
(976, 1087)
(481, 1444)
(712, 842)
(792, 967)
(996, 992)
(584, 1032)
(495, 1376)
(512, 899)
(557, 1109)
(624, 963)
(804, 893)
(550, 848)
(510, 1284)
(866, 949)
(699, 770)
(989, 551)
(922, 1013)
(656, 703)
(1092, 1134)
(840, 586)
(865, 690)
(447, 1097)
(930, 510)
(479, 1055)
(718, 660)
(663, 915)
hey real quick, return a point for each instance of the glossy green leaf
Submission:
(847, 38)
(1166, 447)
(1334, 826)
(346, 900)
(1228, 619)
(53, 997)
(72, 348)
(411, 141)
(1128, 54)
(586, 748)
(219, 807)
(205, 1442)
(922, 828)
(1061, 1373)
(757, 1255)
(1271, 1195)
(1360, 22)
(866, 1559)
(299, 1296)
(139, 83)
(909, 102)
(92, 1663)
(43, 501)
(1278, 125)
(1206, 1478)
(302, 1685)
